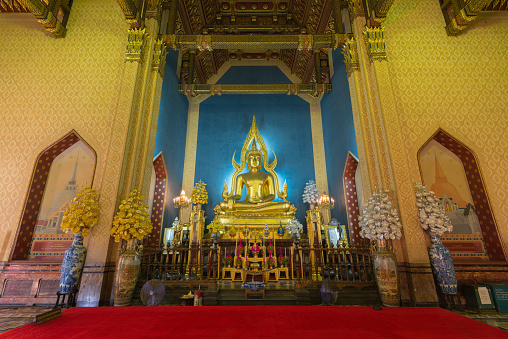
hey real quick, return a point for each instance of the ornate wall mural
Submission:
(72, 169)
(443, 173)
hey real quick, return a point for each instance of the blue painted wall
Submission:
(171, 134)
(338, 134)
(284, 123)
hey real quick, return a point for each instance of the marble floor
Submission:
(12, 317)
(499, 320)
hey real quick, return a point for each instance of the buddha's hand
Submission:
(269, 197)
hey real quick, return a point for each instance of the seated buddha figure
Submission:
(259, 186)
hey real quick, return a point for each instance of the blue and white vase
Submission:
(442, 265)
(72, 265)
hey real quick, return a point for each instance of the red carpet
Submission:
(258, 322)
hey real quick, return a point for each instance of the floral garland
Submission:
(379, 219)
(131, 220)
(431, 213)
(83, 212)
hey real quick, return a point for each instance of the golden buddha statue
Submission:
(261, 189)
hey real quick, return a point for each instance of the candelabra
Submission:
(181, 202)
(327, 203)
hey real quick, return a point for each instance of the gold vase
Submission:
(386, 273)
(126, 275)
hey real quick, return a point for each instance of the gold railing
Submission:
(346, 265)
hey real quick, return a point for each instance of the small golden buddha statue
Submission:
(260, 187)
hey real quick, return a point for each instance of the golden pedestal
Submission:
(314, 220)
(255, 222)
(272, 275)
(233, 274)
(314, 223)
(283, 273)
(196, 226)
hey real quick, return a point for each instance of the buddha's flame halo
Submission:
(255, 135)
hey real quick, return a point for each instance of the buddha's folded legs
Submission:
(232, 205)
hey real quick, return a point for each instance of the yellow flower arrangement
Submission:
(215, 226)
(199, 194)
(83, 212)
(131, 220)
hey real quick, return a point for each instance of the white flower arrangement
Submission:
(310, 193)
(379, 219)
(431, 213)
(294, 226)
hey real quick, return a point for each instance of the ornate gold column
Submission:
(135, 148)
(129, 163)
(149, 125)
(397, 174)
(191, 143)
(318, 145)
(365, 153)
(99, 265)
(377, 135)
(383, 162)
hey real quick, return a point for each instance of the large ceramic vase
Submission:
(126, 275)
(72, 265)
(442, 265)
(386, 273)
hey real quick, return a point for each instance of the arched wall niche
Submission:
(158, 199)
(475, 184)
(36, 190)
(351, 198)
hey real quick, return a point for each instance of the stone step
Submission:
(237, 292)
(348, 296)
(257, 302)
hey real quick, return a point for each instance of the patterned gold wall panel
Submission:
(457, 83)
(51, 86)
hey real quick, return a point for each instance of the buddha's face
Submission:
(254, 160)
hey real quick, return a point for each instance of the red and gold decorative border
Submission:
(36, 192)
(478, 192)
(159, 199)
(353, 210)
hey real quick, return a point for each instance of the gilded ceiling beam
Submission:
(47, 14)
(355, 9)
(299, 42)
(458, 14)
(173, 11)
(337, 16)
(317, 67)
(133, 11)
(289, 89)
(376, 11)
